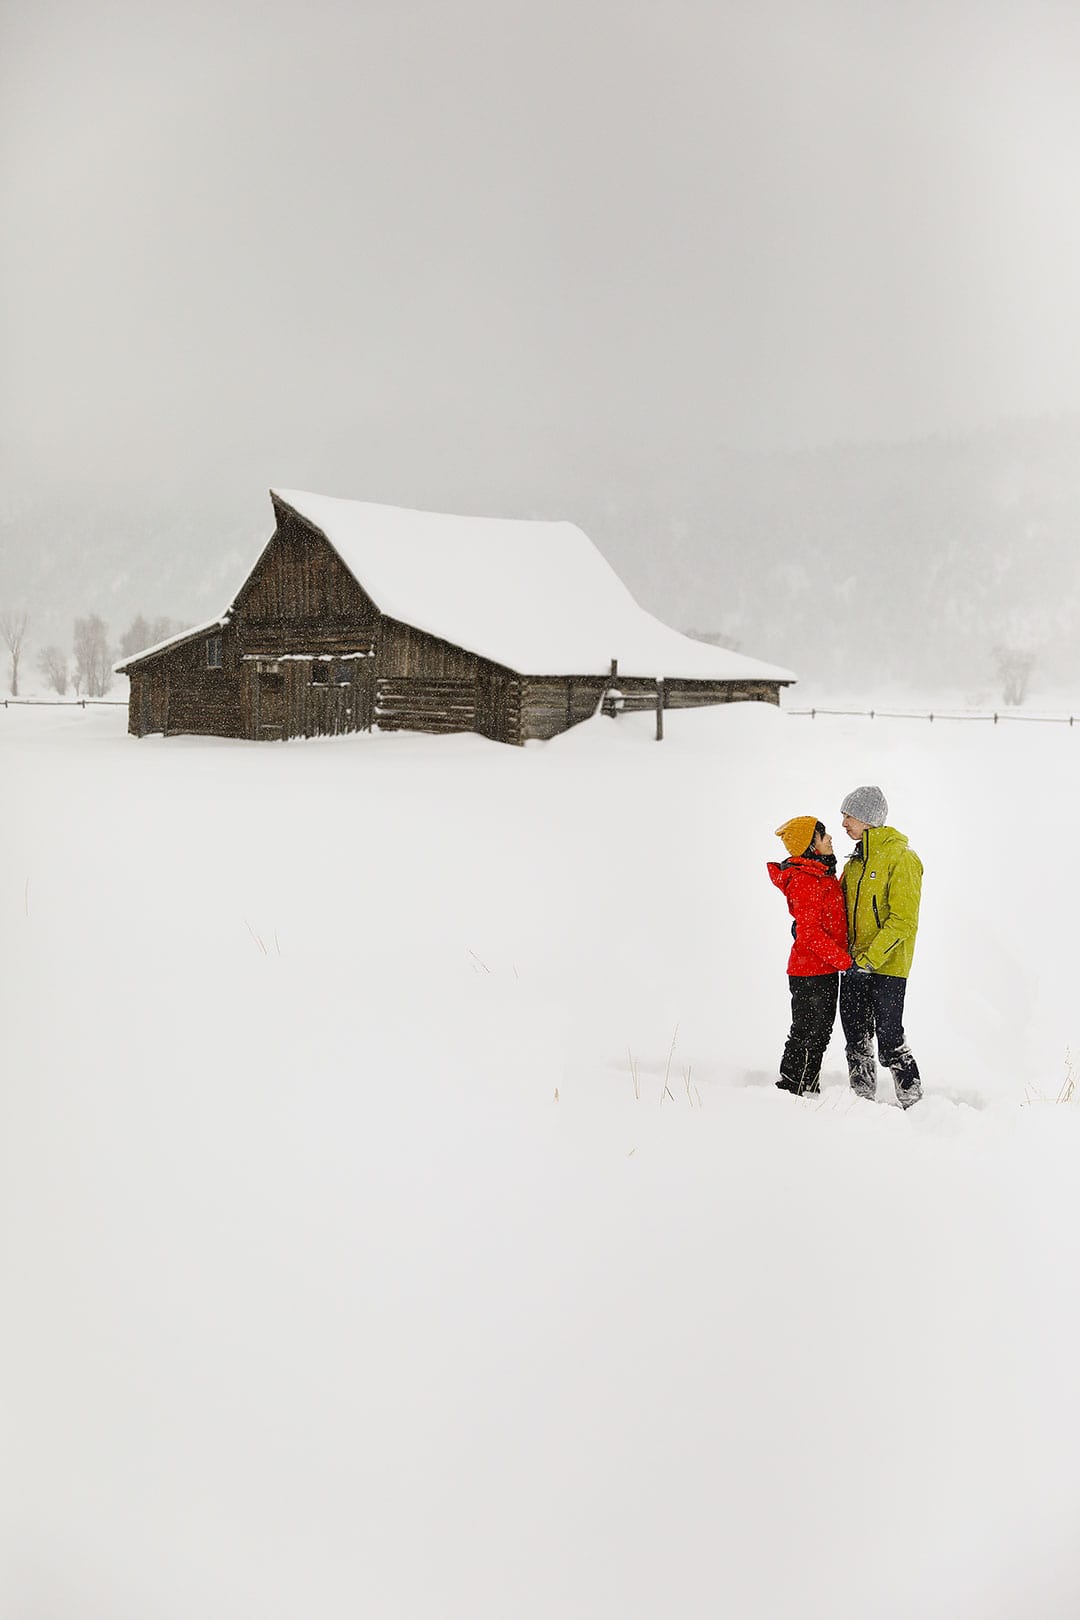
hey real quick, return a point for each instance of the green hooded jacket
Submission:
(882, 883)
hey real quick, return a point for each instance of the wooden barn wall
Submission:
(177, 692)
(421, 682)
(300, 597)
(695, 694)
(281, 700)
(551, 704)
(498, 703)
(424, 705)
(333, 709)
(405, 653)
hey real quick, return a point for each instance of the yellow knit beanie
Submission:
(798, 834)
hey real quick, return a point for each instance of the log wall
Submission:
(425, 705)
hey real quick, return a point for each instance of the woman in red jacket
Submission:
(820, 951)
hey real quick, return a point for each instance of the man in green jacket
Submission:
(882, 883)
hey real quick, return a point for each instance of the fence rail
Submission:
(991, 716)
(987, 716)
(63, 703)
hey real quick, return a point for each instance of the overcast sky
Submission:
(267, 236)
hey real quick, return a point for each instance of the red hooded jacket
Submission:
(816, 901)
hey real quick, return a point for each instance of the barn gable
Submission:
(300, 589)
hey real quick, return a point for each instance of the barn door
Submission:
(269, 702)
(341, 694)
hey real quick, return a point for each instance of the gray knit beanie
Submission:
(867, 804)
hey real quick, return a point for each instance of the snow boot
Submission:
(798, 1088)
(862, 1069)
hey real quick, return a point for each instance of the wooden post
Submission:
(659, 708)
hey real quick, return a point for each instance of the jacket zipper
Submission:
(855, 908)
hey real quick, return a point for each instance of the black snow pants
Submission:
(813, 1013)
(873, 1003)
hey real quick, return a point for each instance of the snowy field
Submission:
(356, 1260)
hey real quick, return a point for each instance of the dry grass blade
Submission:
(634, 1075)
(256, 938)
(671, 1054)
(666, 1092)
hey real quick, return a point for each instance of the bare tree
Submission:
(136, 638)
(161, 629)
(92, 665)
(1014, 666)
(13, 624)
(143, 632)
(53, 664)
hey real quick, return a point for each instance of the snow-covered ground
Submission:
(344, 1274)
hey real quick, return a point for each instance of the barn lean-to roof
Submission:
(172, 641)
(536, 597)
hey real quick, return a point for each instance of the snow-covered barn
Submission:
(357, 615)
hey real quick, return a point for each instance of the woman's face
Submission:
(822, 844)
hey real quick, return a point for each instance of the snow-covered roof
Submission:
(171, 641)
(535, 596)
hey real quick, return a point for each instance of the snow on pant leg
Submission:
(858, 1022)
(813, 1013)
(893, 1049)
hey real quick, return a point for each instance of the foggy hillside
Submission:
(908, 563)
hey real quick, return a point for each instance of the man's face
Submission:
(854, 828)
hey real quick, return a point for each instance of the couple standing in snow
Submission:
(855, 935)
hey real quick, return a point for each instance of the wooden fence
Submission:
(61, 703)
(991, 716)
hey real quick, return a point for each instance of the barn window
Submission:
(343, 674)
(213, 652)
(320, 674)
